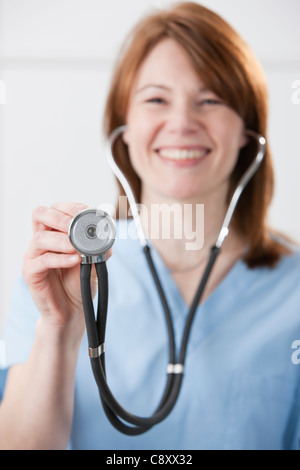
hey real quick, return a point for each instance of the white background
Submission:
(56, 58)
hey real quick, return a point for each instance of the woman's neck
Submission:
(184, 231)
(170, 225)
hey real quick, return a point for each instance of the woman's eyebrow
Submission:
(155, 86)
(158, 86)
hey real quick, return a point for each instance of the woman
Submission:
(188, 89)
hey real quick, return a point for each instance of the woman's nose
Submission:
(182, 119)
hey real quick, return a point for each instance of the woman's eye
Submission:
(156, 100)
(209, 101)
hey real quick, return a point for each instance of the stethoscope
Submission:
(92, 232)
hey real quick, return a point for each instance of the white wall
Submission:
(56, 57)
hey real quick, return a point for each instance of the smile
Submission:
(183, 154)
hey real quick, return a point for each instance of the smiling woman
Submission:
(190, 97)
(225, 84)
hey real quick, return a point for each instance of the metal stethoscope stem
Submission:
(121, 419)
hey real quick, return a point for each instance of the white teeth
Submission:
(182, 154)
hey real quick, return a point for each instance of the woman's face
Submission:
(183, 139)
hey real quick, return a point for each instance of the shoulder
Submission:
(286, 261)
(288, 264)
(291, 261)
(287, 272)
(279, 285)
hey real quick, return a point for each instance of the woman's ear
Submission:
(244, 139)
(125, 136)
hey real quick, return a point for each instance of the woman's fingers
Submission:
(57, 217)
(52, 241)
(50, 247)
(44, 218)
(35, 266)
(69, 208)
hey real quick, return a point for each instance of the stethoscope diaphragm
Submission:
(92, 232)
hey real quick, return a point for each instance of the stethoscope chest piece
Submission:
(92, 232)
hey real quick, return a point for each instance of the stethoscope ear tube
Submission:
(121, 419)
(102, 275)
(88, 307)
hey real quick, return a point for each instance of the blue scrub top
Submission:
(241, 387)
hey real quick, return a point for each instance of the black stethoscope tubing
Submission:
(120, 418)
(96, 326)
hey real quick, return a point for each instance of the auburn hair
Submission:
(228, 67)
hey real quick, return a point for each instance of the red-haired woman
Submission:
(188, 89)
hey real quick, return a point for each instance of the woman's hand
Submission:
(43, 407)
(51, 267)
